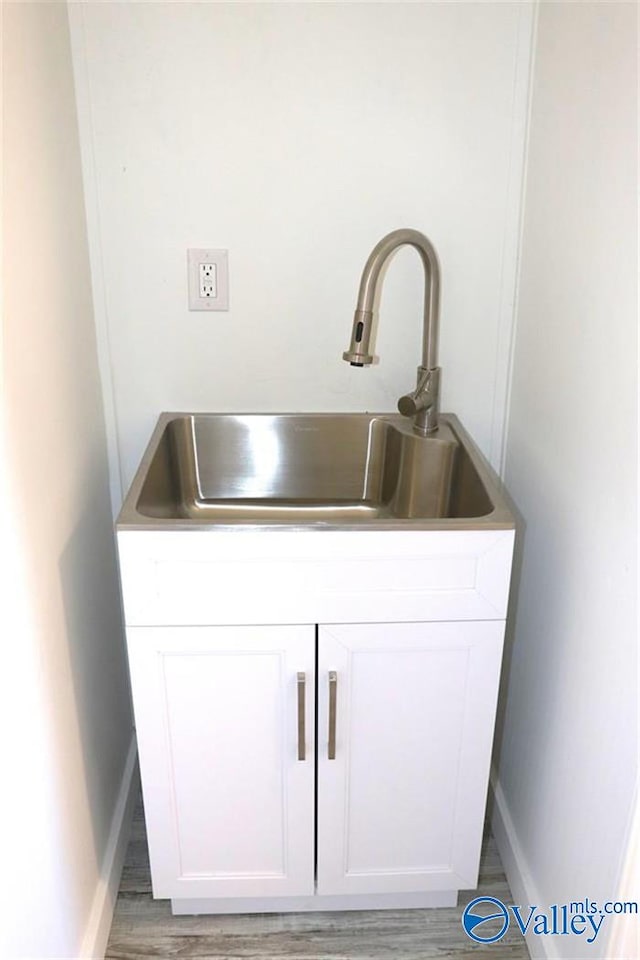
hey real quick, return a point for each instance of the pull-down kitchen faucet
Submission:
(423, 403)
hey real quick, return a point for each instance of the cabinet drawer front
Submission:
(221, 722)
(401, 806)
(325, 577)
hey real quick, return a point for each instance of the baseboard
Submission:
(624, 939)
(514, 862)
(94, 942)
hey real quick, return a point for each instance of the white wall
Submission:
(296, 135)
(569, 740)
(67, 727)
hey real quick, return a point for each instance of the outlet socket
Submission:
(208, 275)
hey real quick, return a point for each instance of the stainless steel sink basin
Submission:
(313, 470)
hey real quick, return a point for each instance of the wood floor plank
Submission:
(144, 928)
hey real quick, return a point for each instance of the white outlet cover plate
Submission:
(196, 257)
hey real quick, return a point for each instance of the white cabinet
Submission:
(226, 720)
(229, 807)
(401, 806)
(410, 628)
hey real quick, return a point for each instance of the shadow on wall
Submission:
(96, 650)
(509, 643)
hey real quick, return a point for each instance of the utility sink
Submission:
(338, 471)
(307, 598)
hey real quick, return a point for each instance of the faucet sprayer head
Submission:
(358, 354)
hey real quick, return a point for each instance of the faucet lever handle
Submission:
(422, 403)
(420, 398)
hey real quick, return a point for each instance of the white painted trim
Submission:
(94, 942)
(516, 868)
(92, 213)
(513, 228)
(316, 903)
(624, 938)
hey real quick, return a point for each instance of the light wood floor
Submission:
(144, 928)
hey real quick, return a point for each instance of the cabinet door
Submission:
(228, 804)
(401, 806)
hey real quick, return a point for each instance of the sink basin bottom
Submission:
(287, 511)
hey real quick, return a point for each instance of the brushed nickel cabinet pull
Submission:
(333, 695)
(301, 712)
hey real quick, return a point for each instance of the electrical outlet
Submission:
(208, 274)
(207, 279)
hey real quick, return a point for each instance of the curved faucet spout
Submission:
(423, 402)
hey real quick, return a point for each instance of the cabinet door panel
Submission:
(229, 807)
(401, 807)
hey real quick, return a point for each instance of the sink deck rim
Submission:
(500, 518)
